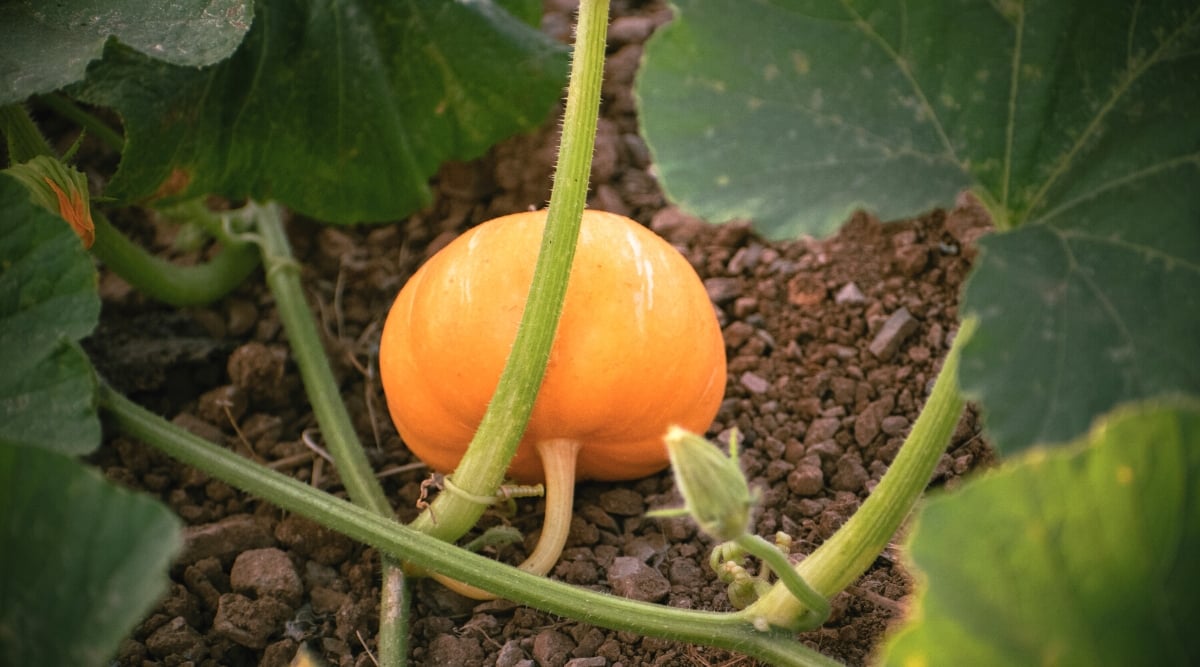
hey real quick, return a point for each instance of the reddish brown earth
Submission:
(832, 346)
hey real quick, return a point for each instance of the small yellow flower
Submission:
(59, 189)
(75, 211)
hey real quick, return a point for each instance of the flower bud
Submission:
(715, 492)
(59, 189)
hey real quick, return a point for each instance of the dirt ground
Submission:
(832, 346)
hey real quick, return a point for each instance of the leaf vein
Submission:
(902, 65)
(1136, 68)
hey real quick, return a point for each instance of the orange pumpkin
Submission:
(638, 348)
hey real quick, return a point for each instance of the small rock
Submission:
(594, 661)
(352, 617)
(326, 600)
(849, 294)
(597, 516)
(578, 572)
(551, 648)
(511, 654)
(777, 469)
(582, 532)
(249, 622)
(850, 475)
(199, 427)
(685, 572)
(622, 502)
(200, 578)
(280, 653)
(267, 573)
(826, 450)
(753, 383)
(808, 408)
(677, 529)
(912, 260)
(794, 452)
(224, 538)
(240, 317)
(808, 507)
(936, 336)
(737, 333)
(806, 480)
(919, 354)
(256, 367)
(806, 290)
(895, 330)
(894, 425)
(452, 650)
(869, 422)
(608, 198)
(822, 429)
(745, 259)
(630, 29)
(633, 579)
(177, 638)
(313, 540)
(722, 290)
(675, 225)
(646, 547)
(843, 389)
(744, 306)
(223, 404)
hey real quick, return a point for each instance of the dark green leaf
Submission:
(529, 11)
(799, 110)
(83, 560)
(341, 111)
(1079, 556)
(1074, 121)
(48, 45)
(48, 301)
(1075, 319)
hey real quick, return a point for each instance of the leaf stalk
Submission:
(845, 556)
(482, 468)
(733, 631)
(337, 430)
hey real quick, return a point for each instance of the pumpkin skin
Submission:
(638, 347)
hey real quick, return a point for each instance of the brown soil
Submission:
(832, 346)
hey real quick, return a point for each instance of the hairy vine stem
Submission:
(283, 278)
(482, 468)
(734, 631)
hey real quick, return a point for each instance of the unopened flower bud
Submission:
(715, 492)
(59, 189)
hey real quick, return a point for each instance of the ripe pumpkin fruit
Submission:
(638, 349)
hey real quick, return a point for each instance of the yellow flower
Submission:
(59, 189)
(76, 212)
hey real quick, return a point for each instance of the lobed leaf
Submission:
(1074, 121)
(342, 111)
(83, 560)
(48, 45)
(48, 301)
(1088, 557)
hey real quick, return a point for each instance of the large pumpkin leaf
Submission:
(1078, 318)
(48, 301)
(340, 110)
(1088, 557)
(48, 45)
(83, 560)
(798, 110)
(1074, 121)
